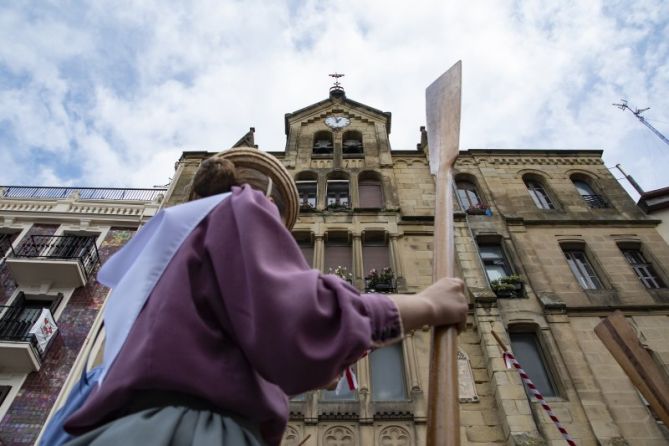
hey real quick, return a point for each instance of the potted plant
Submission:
(339, 206)
(380, 282)
(342, 272)
(305, 206)
(508, 286)
(479, 209)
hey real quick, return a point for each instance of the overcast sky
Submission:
(109, 93)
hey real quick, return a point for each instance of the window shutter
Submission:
(308, 252)
(370, 195)
(338, 255)
(376, 257)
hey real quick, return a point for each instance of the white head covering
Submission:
(134, 270)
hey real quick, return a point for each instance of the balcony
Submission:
(63, 261)
(595, 201)
(26, 334)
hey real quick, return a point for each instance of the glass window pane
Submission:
(343, 391)
(388, 382)
(583, 188)
(582, 270)
(527, 351)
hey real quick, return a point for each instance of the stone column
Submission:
(319, 252)
(358, 274)
(395, 260)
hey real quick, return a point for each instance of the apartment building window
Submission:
(6, 240)
(539, 195)
(588, 195)
(24, 311)
(352, 143)
(582, 269)
(468, 195)
(338, 195)
(388, 378)
(527, 350)
(494, 261)
(643, 269)
(306, 244)
(338, 251)
(323, 143)
(4, 391)
(371, 190)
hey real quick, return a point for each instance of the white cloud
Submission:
(120, 88)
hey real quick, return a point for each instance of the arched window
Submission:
(323, 142)
(538, 193)
(338, 197)
(307, 188)
(352, 142)
(371, 190)
(586, 192)
(468, 195)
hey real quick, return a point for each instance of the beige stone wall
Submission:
(596, 402)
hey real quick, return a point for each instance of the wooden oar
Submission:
(443, 135)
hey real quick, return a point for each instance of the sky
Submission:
(109, 93)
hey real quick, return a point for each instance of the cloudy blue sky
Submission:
(109, 93)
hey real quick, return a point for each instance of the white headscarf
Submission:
(134, 270)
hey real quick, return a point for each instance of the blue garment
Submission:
(54, 434)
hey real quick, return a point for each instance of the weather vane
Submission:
(336, 77)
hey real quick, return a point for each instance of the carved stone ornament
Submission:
(394, 436)
(466, 380)
(338, 436)
(290, 437)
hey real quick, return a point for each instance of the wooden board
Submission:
(621, 340)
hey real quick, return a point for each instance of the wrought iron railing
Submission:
(85, 193)
(64, 247)
(16, 324)
(595, 201)
(5, 244)
(380, 286)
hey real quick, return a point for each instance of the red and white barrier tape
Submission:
(511, 362)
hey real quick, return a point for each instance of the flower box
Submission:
(479, 209)
(381, 282)
(508, 287)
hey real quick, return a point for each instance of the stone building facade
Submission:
(547, 242)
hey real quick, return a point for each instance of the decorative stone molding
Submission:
(513, 161)
(394, 436)
(338, 436)
(466, 382)
(290, 437)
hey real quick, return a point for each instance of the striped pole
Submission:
(512, 362)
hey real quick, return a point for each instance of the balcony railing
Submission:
(24, 337)
(61, 247)
(595, 201)
(85, 193)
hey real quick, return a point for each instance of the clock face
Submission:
(337, 122)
